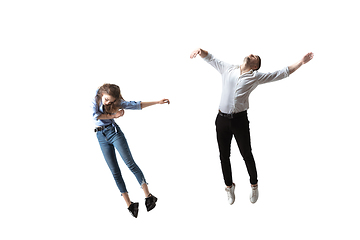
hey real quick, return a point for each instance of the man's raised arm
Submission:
(304, 60)
(220, 66)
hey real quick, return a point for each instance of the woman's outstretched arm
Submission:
(148, 104)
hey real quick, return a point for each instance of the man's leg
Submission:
(224, 136)
(240, 127)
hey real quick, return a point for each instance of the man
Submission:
(238, 81)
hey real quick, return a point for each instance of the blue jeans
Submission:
(110, 138)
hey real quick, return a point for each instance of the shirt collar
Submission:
(248, 72)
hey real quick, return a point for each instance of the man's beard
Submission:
(246, 60)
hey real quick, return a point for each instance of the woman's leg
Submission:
(123, 148)
(127, 199)
(110, 158)
(145, 189)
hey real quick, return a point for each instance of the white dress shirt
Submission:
(237, 87)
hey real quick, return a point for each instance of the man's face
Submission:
(252, 61)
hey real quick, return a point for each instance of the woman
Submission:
(106, 107)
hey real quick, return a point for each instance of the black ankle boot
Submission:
(134, 209)
(150, 202)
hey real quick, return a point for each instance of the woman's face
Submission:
(107, 99)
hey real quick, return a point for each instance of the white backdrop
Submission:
(54, 181)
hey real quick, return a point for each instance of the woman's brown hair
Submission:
(112, 90)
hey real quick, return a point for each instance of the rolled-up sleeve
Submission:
(272, 77)
(131, 105)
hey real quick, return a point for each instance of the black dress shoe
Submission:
(134, 209)
(150, 202)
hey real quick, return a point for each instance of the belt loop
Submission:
(102, 131)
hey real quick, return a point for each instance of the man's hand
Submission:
(200, 52)
(119, 113)
(304, 60)
(307, 58)
(195, 53)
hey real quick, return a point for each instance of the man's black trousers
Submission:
(227, 126)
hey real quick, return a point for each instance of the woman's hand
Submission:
(119, 113)
(162, 101)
